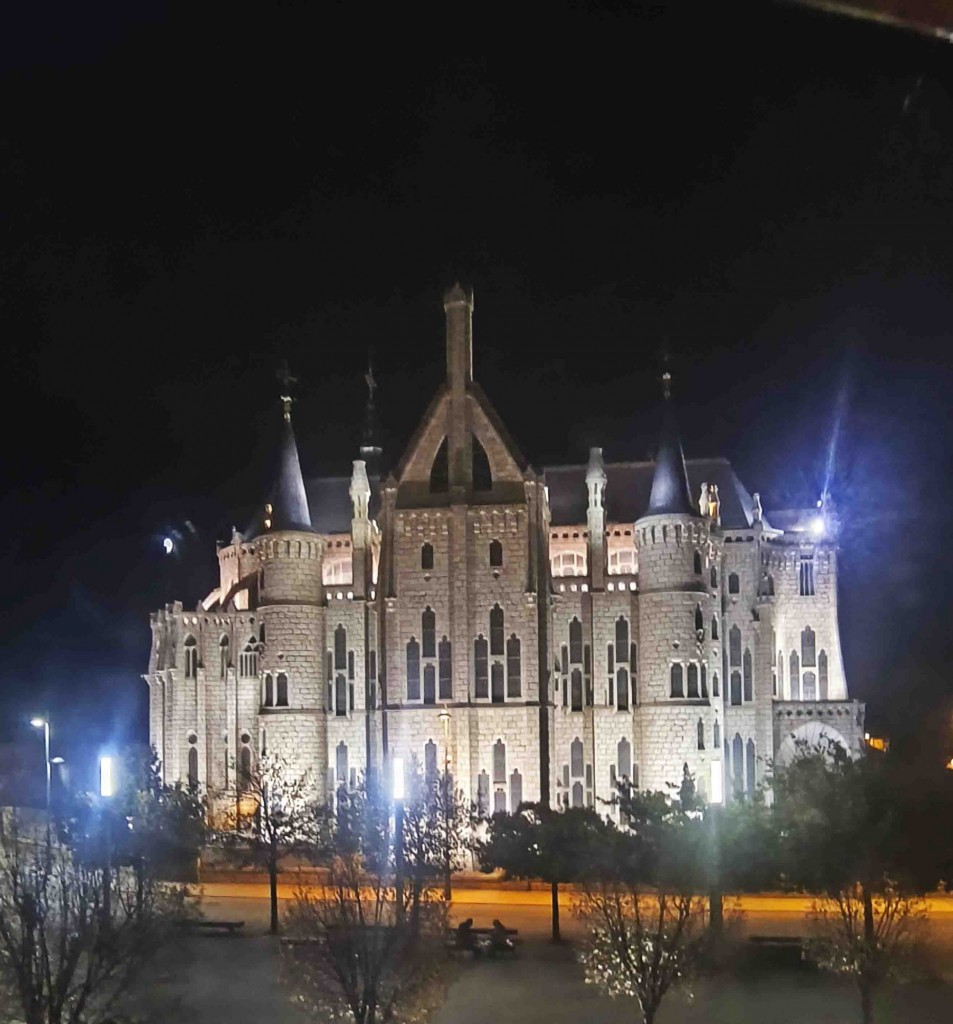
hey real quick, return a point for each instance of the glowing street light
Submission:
(107, 775)
(717, 782)
(168, 545)
(44, 724)
(817, 527)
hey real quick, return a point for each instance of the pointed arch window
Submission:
(430, 684)
(340, 648)
(734, 646)
(430, 759)
(428, 630)
(496, 683)
(577, 794)
(715, 688)
(622, 690)
(426, 556)
(340, 696)
(191, 657)
(496, 554)
(193, 765)
(622, 638)
(281, 690)
(714, 627)
(699, 620)
(268, 699)
(446, 669)
(576, 690)
(716, 736)
(704, 672)
(481, 664)
(697, 563)
(624, 758)
(794, 676)
(516, 790)
(244, 767)
(736, 688)
(513, 667)
(738, 765)
(575, 641)
(677, 682)
(340, 763)
(413, 670)
(808, 648)
(576, 760)
(693, 680)
(224, 656)
(483, 794)
(810, 686)
(748, 678)
(734, 584)
(700, 734)
(750, 761)
(822, 677)
(496, 631)
(499, 763)
(714, 577)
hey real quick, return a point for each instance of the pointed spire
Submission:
(371, 450)
(288, 508)
(670, 492)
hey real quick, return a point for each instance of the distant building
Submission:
(580, 625)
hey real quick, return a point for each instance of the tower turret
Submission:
(596, 518)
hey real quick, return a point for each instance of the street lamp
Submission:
(398, 794)
(44, 724)
(107, 787)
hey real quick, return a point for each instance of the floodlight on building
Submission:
(398, 780)
(169, 545)
(717, 783)
(817, 527)
(107, 779)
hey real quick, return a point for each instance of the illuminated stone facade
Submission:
(541, 634)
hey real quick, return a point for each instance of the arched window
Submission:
(704, 669)
(244, 767)
(483, 794)
(224, 656)
(716, 736)
(577, 794)
(428, 629)
(822, 676)
(749, 767)
(430, 684)
(734, 584)
(621, 639)
(481, 664)
(482, 476)
(340, 648)
(736, 688)
(738, 765)
(446, 669)
(734, 646)
(699, 620)
(516, 790)
(693, 680)
(281, 690)
(340, 763)
(268, 699)
(808, 647)
(513, 667)
(748, 680)
(794, 679)
(697, 563)
(700, 734)
(714, 577)
(810, 686)
(191, 658)
(714, 627)
(496, 630)
(767, 585)
(622, 690)
(248, 659)
(499, 763)
(426, 556)
(496, 683)
(576, 690)
(624, 758)
(677, 684)
(193, 767)
(496, 554)
(413, 670)
(575, 641)
(715, 689)
(430, 759)
(340, 696)
(576, 760)
(440, 470)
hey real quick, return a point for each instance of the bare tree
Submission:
(74, 936)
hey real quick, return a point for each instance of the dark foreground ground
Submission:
(230, 980)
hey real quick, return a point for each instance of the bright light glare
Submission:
(37, 723)
(169, 545)
(717, 783)
(398, 778)
(106, 780)
(817, 526)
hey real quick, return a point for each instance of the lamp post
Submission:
(398, 793)
(444, 717)
(44, 724)
(107, 787)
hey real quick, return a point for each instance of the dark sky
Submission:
(767, 192)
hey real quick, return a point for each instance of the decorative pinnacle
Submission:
(284, 376)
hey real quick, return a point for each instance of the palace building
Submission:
(541, 634)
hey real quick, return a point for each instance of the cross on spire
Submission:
(287, 381)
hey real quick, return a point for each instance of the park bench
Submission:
(783, 950)
(221, 926)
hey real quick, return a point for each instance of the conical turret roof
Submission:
(670, 492)
(289, 500)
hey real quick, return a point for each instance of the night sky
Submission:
(763, 191)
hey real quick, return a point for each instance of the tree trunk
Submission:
(273, 884)
(554, 889)
(864, 982)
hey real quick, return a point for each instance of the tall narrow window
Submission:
(697, 563)
(794, 676)
(715, 689)
(281, 690)
(714, 627)
(575, 641)
(734, 584)
(692, 680)
(430, 759)
(699, 620)
(413, 670)
(340, 648)
(268, 699)
(483, 794)
(622, 638)
(822, 676)
(499, 763)
(749, 767)
(244, 767)
(481, 664)
(191, 658)
(428, 629)
(576, 690)
(748, 679)
(248, 659)
(430, 684)
(496, 554)
(516, 790)
(736, 688)
(624, 758)
(716, 736)
(224, 656)
(734, 646)
(350, 665)
(340, 763)
(610, 658)
(446, 669)
(678, 689)
(622, 690)
(340, 696)
(808, 648)
(738, 765)
(810, 686)
(705, 682)
(513, 667)
(193, 769)
(426, 556)
(496, 630)
(714, 577)
(577, 794)
(576, 760)
(806, 576)
(496, 683)
(700, 734)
